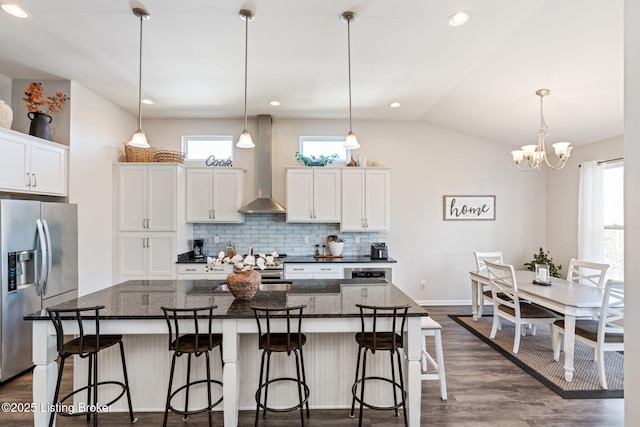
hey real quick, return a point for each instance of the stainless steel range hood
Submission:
(264, 203)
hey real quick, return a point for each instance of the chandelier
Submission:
(350, 142)
(139, 138)
(536, 154)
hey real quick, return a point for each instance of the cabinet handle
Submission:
(213, 213)
(311, 213)
(314, 214)
(210, 214)
(190, 269)
(326, 268)
(35, 182)
(148, 243)
(28, 180)
(298, 268)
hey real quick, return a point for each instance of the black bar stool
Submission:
(196, 343)
(372, 339)
(86, 346)
(290, 341)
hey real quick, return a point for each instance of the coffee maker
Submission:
(198, 252)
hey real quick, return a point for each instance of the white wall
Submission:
(98, 131)
(632, 208)
(5, 90)
(562, 199)
(426, 163)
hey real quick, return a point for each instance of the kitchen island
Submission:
(133, 309)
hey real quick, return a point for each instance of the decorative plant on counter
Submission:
(543, 257)
(315, 161)
(248, 262)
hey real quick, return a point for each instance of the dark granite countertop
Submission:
(142, 299)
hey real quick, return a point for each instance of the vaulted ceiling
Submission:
(479, 78)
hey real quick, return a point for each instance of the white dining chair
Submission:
(508, 305)
(603, 334)
(587, 273)
(481, 258)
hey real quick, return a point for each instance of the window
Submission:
(614, 220)
(202, 147)
(324, 145)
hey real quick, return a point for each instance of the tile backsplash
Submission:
(269, 232)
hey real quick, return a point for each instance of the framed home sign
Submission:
(469, 208)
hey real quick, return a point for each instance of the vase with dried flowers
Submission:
(40, 107)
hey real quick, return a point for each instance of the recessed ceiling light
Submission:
(395, 105)
(15, 10)
(459, 18)
(147, 101)
(274, 103)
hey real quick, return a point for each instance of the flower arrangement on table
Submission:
(37, 101)
(245, 263)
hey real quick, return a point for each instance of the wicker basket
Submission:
(139, 154)
(169, 156)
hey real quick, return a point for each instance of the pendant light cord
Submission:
(140, 80)
(349, 62)
(246, 55)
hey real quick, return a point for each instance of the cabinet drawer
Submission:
(313, 269)
(204, 271)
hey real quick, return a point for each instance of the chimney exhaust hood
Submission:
(264, 203)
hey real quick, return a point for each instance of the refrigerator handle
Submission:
(43, 251)
(49, 255)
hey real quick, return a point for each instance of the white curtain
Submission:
(591, 212)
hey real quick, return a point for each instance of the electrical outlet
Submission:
(423, 283)
(306, 240)
(216, 239)
(357, 239)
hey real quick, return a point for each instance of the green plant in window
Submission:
(543, 257)
(315, 161)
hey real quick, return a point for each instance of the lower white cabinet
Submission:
(313, 271)
(204, 271)
(146, 256)
(319, 303)
(361, 294)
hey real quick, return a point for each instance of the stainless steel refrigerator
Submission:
(39, 262)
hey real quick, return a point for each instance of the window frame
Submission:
(218, 138)
(315, 138)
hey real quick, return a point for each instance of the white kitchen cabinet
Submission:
(214, 195)
(313, 194)
(32, 165)
(147, 195)
(362, 294)
(146, 256)
(201, 271)
(315, 303)
(365, 199)
(313, 271)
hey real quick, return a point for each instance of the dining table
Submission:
(571, 299)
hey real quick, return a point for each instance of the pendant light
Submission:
(245, 140)
(139, 138)
(350, 142)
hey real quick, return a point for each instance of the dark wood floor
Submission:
(484, 389)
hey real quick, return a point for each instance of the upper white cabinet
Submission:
(365, 199)
(32, 165)
(214, 195)
(147, 197)
(313, 194)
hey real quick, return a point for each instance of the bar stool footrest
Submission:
(99, 405)
(293, 408)
(354, 392)
(194, 411)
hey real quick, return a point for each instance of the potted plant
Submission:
(543, 257)
(39, 107)
(312, 160)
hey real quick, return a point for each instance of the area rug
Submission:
(535, 357)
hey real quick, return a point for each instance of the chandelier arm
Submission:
(349, 67)
(140, 80)
(246, 55)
